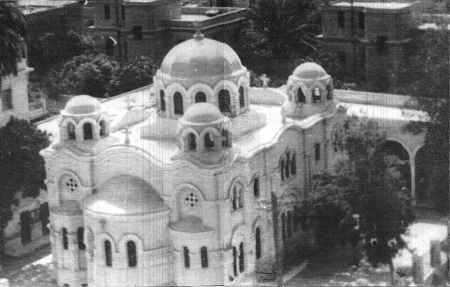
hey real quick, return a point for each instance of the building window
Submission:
(80, 238)
(200, 97)
(258, 242)
(294, 164)
(109, 47)
(87, 131)
(226, 140)
(341, 19)
(26, 226)
(317, 151)
(108, 254)
(162, 100)
(192, 142)
(300, 96)
(287, 166)
(256, 187)
(137, 32)
(241, 97)
(44, 215)
(187, 260)
(329, 92)
(282, 169)
(283, 226)
(361, 20)
(71, 131)
(70, 184)
(234, 261)
(204, 257)
(316, 95)
(107, 10)
(131, 254)
(241, 258)
(65, 239)
(288, 224)
(6, 99)
(178, 103)
(238, 197)
(191, 200)
(102, 128)
(224, 101)
(381, 44)
(123, 12)
(209, 141)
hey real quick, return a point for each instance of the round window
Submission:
(70, 184)
(191, 200)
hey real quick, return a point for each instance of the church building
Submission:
(180, 187)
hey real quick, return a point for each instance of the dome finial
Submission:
(198, 35)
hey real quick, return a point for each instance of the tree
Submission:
(366, 197)
(429, 82)
(21, 167)
(85, 74)
(133, 75)
(51, 49)
(12, 35)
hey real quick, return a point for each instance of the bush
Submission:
(133, 75)
(85, 74)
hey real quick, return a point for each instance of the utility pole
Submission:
(118, 11)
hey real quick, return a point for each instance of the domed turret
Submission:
(310, 91)
(82, 120)
(201, 70)
(204, 130)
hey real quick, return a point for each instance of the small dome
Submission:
(125, 195)
(200, 58)
(309, 71)
(80, 105)
(202, 113)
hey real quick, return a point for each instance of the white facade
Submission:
(182, 194)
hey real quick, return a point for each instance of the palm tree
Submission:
(12, 35)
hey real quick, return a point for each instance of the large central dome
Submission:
(201, 57)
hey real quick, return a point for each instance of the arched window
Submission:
(287, 166)
(224, 101)
(65, 239)
(178, 103)
(241, 97)
(256, 187)
(316, 95)
(87, 131)
(283, 226)
(234, 261)
(131, 254)
(329, 92)
(241, 257)
(235, 198)
(187, 259)
(102, 128)
(225, 138)
(162, 100)
(300, 96)
(317, 151)
(282, 169)
(191, 141)
(200, 97)
(80, 238)
(204, 257)
(293, 164)
(108, 254)
(288, 224)
(209, 141)
(71, 131)
(258, 242)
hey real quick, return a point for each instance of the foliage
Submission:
(12, 33)
(133, 75)
(21, 166)
(85, 74)
(368, 183)
(51, 49)
(430, 82)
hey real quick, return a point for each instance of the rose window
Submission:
(71, 185)
(191, 200)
